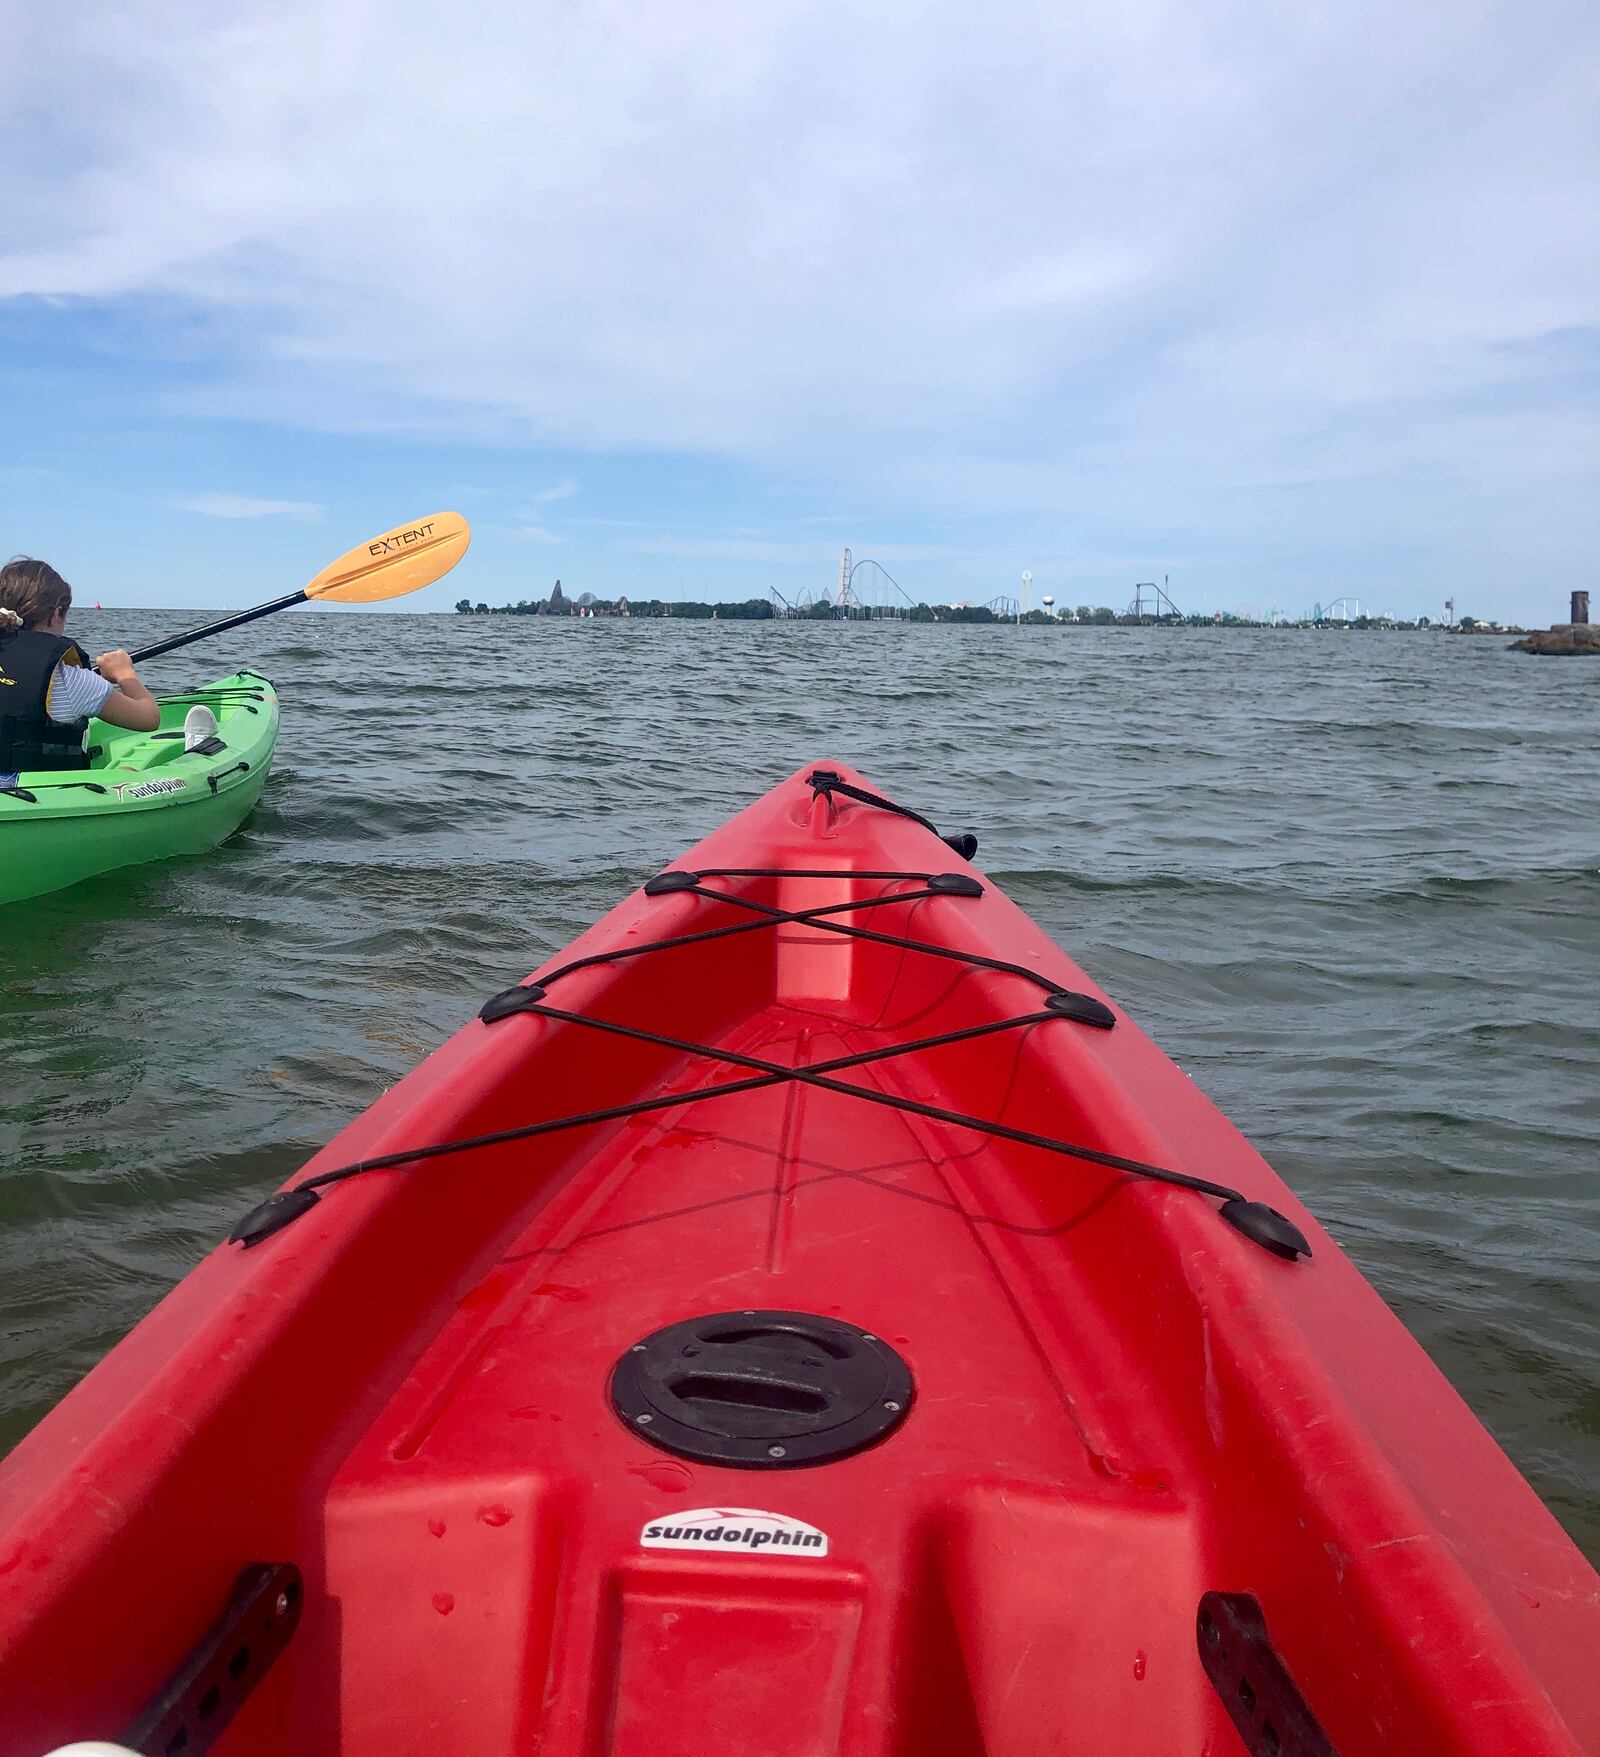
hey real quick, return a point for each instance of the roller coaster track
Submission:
(881, 597)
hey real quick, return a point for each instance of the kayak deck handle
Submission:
(215, 779)
(1262, 1699)
(194, 1707)
(824, 783)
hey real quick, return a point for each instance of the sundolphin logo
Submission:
(148, 789)
(401, 540)
(735, 1528)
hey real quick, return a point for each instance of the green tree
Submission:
(1084, 613)
(1103, 615)
(463, 606)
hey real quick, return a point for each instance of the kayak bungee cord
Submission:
(29, 795)
(1262, 1224)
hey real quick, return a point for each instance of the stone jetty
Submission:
(1565, 639)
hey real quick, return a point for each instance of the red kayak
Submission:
(805, 1318)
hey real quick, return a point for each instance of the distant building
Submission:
(557, 604)
(622, 607)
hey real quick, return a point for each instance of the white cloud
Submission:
(244, 506)
(1093, 262)
(537, 534)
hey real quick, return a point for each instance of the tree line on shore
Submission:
(765, 610)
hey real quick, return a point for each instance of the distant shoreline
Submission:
(960, 615)
(942, 616)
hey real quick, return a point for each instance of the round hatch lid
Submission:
(762, 1390)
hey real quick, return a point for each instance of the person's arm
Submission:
(130, 704)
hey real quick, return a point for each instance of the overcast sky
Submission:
(1287, 302)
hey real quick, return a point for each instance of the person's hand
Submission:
(115, 666)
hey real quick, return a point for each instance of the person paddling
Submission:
(48, 693)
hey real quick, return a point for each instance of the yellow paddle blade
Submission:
(400, 561)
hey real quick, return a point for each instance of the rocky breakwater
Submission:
(1563, 639)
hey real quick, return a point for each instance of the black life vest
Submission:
(29, 738)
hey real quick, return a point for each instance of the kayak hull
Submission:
(1121, 1407)
(144, 798)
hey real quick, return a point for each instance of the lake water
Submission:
(1349, 881)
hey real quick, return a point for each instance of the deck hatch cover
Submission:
(762, 1390)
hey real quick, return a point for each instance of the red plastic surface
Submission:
(1121, 1404)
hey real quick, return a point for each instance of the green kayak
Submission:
(144, 796)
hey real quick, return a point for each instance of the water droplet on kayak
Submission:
(526, 1413)
(444, 1603)
(436, 1526)
(494, 1514)
(1139, 1667)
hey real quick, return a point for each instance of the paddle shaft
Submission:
(199, 634)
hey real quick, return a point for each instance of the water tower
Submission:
(1049, 604)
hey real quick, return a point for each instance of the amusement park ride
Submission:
(868, 592)
(1149, 599)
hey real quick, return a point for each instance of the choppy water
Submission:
(1348, 881)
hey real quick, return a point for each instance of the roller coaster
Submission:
(868, 592)
(804, 605)
(1151, 600)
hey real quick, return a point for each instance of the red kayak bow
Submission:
(805, 1318)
